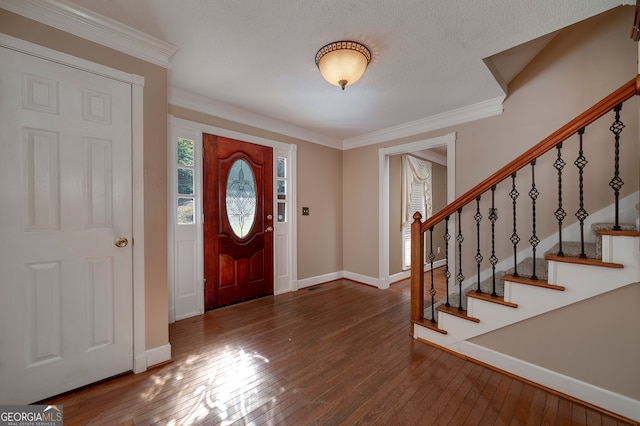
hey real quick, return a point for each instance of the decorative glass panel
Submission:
(185, 181)
(241, 198)
(281, 167)
(185, 211)
(185, 152)
(281, 189)
(282, 212)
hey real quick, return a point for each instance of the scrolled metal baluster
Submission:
(581, 162)
(560, 214)
(447, 273)
(432, 291)
(616, 183)
(515, 239)
(493, 217)
(460, 277)
(533, 194)
(478, 218)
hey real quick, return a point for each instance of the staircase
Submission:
(569, 272)
(565, 280)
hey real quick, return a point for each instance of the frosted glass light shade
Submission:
(343, 62)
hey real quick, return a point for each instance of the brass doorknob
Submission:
(269, 229)
(121, 242)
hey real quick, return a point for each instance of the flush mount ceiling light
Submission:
(343, 62)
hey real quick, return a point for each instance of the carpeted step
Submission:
(574, 249)
(600, 226)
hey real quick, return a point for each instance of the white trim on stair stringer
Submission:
(614, 402)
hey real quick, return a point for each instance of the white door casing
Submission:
(65, 170)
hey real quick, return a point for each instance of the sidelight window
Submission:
(186, 171)
(281, 188)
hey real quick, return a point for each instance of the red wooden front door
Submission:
(238, 220)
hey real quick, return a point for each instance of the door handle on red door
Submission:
(269, 229)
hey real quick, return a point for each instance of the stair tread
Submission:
(583, 261)
(460, 313)
(430, 325)
(489, 298)
(529, 281)
(621, 233)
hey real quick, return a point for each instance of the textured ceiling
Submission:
(428, 55)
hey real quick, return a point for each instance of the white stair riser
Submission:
(580, 282)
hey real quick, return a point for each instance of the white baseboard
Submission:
(603, 398)
(376, 282)
(320, 279)
(153, 357)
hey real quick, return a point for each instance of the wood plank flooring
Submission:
(336, 354)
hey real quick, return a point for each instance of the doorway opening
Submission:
(440, 149)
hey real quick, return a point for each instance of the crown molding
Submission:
(82, 22)
(185, 99)
(473, 112)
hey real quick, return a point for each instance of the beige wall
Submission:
(319, 180)
(596, 341)
(155, 158)
(360, 211)
(578, 68)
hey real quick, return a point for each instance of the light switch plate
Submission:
(305, 211)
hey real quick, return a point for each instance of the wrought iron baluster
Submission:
(447, 273)
(533, 194)
(581, 162)
(560, 214)
(478, 218)
(460, 277)
(515, 239)
(493, 217)
(432, 291)
(616, 183)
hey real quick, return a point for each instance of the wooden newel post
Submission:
(417, 269)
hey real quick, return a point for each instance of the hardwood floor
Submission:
(338, 353)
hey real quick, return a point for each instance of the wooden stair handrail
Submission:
(625, 92)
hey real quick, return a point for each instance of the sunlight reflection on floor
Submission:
(229, 391)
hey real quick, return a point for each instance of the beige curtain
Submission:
(415, 170)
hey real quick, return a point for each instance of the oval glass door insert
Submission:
(241, 198)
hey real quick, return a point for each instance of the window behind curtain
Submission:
(417, 196)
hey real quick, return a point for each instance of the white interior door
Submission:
(66, 316)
